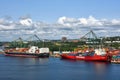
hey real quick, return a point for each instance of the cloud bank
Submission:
(64, 26)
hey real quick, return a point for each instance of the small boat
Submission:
(33, 51)
(68, 56)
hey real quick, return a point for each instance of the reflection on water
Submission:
(100, 68)
(17, 68)
(32, 61)
(39, 60)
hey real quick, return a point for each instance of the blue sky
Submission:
(50, 10)
(57, 18)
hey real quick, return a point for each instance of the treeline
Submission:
(59, 45)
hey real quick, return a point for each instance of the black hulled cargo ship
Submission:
(33, 51)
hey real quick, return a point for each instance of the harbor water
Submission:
(19, 68)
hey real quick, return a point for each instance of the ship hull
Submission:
(68, 56)
(92, 58)
(33, 55)
(85, 58)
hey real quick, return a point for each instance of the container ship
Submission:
(96, 55)
(33, 51)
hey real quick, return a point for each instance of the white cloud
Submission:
(2, 21)
(64, 26)
(68, 21)
(115, 22)
(83, 21)
(118, 30)
(91, 21)
(26, 22)
(7, 27)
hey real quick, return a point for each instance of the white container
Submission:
(33, 49)
(100, 51)
(44, 50)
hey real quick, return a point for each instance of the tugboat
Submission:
(33, 51)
